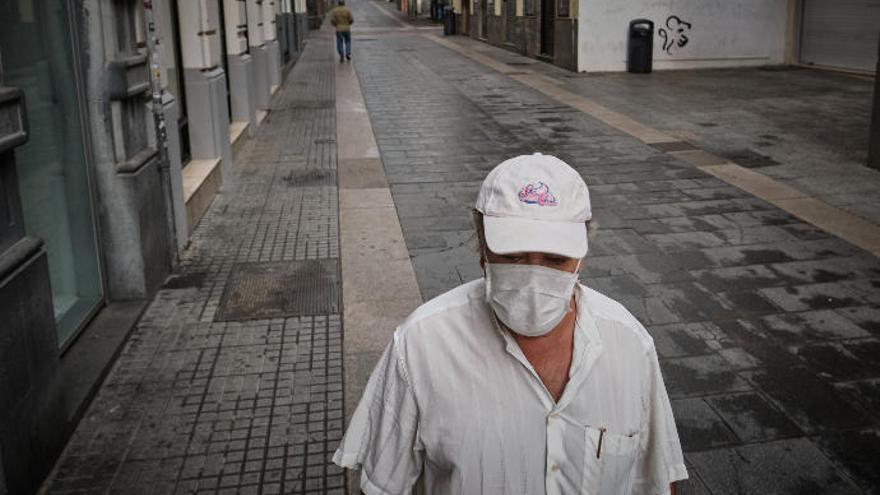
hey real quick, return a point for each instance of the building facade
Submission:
(96, 203)
(591, 35)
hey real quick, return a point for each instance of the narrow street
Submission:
(240, 375)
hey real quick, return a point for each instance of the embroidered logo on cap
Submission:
(537, 194)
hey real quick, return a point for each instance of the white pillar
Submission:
(239, 64)
(205, 80)
(257, 42)
(270, 11)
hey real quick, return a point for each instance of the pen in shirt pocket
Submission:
(599, 447)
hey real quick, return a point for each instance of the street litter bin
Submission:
(448, 21)
(640, 46)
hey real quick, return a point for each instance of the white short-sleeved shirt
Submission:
(454, 407)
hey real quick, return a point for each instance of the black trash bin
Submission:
(448, 21)
(640, 46)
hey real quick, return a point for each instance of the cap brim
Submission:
(505, 235)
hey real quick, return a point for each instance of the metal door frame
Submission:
(73, 34)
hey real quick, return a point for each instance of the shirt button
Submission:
(554, 467)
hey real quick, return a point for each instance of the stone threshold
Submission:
(237, 134)
(201, 181)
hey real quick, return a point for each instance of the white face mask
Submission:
(531, 300)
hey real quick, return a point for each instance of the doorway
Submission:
(841, 34)
(172, 61)
(510, 21)
(466, 17)
(484, 19)
(548, 21)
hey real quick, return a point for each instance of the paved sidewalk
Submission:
(768, 328)
(232, 381)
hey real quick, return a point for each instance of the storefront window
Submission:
(36, 45)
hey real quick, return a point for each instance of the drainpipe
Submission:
(161, 134)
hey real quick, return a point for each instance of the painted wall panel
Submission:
(235, 15)
(200, 33)
(687, 33)
(255, 23)
(269, 20)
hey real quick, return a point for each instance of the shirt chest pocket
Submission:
(609, 462)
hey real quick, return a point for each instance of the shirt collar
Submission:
(587, 346)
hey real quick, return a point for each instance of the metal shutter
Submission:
(840, 33)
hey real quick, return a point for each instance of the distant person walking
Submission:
(342, 20)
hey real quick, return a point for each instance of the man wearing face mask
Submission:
(525, 381)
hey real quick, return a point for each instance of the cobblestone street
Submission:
(235, 378)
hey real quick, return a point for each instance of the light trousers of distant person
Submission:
(343, 38)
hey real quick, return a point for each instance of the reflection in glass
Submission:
(35, 44)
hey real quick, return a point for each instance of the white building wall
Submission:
(256, 33)
(269, 13)
(200, 34)
(235, 13)
(714, 33)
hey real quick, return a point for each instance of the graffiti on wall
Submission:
(674, 34)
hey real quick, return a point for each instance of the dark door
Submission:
(176, 86)
(223, 50)
(548, 18)
(510, 20)
(484, 19)
(466, 17)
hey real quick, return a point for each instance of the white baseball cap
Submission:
(535, 203)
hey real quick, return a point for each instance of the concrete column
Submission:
(205, 81)
(273, 50)
(301, 15)
(257, 42)
(290, 31)
(244, 105)
(123, 154)
(208, 115)
(170, 109)
(239, 64)
(874, 137)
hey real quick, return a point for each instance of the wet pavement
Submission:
(768, 328)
